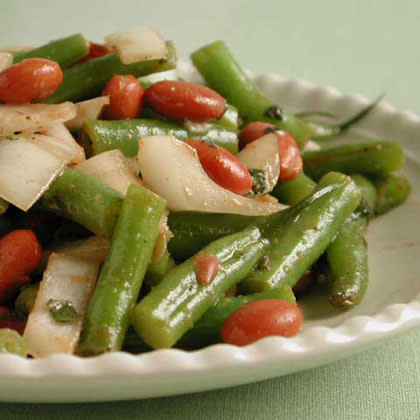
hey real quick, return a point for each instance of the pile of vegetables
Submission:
(140, 213)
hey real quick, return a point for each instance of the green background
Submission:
(359, 46)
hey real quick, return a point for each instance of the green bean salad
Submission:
(141, 211)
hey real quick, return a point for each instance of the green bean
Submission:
(230, 119)
(4, 205)
(12, 342)
(65, 51)
(348, 263)
(193, 231)
(392, 191)
(122, 274)
(368, 190)
(26, 299)
(85, 200)
(298, 244)
(347, 255)
(161, 263)
(86, 80)
(179, 301)
(291, 192)
(224, 74)
(207, 330)
(374, 157)
(100, 136)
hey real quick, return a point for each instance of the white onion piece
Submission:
(6, 60)
(53, 145)
(60, 132)
(94, 248)
(158, 77)
(139, 44)
(87, 110)
(27, 169)
(171, 169)
(33, 117)
(263, 154)
(112, 168)
(311, 145)
(66, 278)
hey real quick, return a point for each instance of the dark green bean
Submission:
(393, 190)
(374, 157)
(65, 51)
(291, 192)
(179, 301)
(122, 274)
(296, 245)
(224, 74)
(100, 136)
(85, 200)
(86, 80)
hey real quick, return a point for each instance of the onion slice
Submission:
(139, 44)
(67, 278)
(263, 154)
(171, 169)
(60, 132)
(87, 110)
(111, 167)
(15, 119)
(27, 168)
(6, 60)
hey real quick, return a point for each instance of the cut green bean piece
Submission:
(348, 264)
(193, 231)
(161, 263)
(99, 136)
(296, 245)
(291, 192)
(207, 330)
(85, 200)
(65, 51)
(122, 274)
(12, 342)
(179, 300)
(376, 157)
(368, 190)
(86, 80)
(393, 190)
(230, 118)
(224, 74)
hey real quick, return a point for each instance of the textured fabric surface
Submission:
(365, 46)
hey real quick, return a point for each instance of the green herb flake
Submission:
(62, 311)
(259, 182)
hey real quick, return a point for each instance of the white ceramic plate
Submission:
(391, 306)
